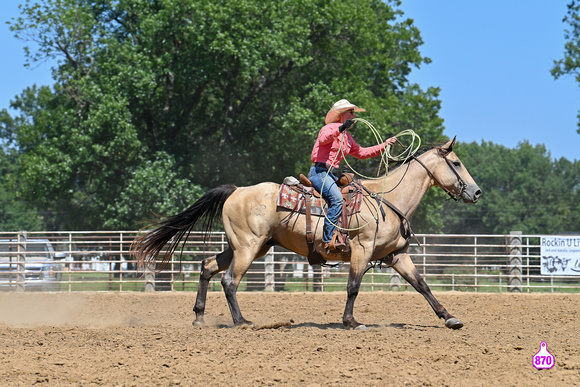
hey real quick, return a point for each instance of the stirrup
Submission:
(336, 243)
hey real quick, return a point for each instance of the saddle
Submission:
(294, 198)
(302, 198)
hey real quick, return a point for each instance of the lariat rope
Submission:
(385, 155)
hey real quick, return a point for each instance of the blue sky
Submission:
(491, 59)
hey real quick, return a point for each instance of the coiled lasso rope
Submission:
(385, 155)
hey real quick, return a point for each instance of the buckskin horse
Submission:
(253, 223)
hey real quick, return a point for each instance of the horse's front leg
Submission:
(355, 275)
(209, 267)
(405, 267)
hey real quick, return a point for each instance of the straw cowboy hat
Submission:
(338, 108)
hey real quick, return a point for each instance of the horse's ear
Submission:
(448, 147)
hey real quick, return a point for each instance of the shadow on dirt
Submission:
(370, 326)
(412, 326)
(334, 326)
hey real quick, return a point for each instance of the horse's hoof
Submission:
(361, 328)
(198, 323)
(245, 325)
(453, 323)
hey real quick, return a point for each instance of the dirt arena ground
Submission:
(138, 339)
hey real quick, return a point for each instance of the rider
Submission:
(334, 142)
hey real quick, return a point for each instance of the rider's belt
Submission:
(329, 168)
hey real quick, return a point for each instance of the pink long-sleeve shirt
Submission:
(327, 147)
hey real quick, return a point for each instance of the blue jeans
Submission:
(325, 183)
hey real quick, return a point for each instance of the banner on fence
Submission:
(560, 255)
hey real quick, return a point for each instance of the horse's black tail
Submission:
(174, 229)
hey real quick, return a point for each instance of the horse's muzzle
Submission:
(471, 194)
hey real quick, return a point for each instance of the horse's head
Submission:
(449, 173)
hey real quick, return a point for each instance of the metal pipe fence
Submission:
(101, 261)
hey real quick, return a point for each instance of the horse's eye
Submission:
(456, 163)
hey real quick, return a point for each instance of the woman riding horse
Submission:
(334, 142)
(253, 223)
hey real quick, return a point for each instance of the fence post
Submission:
(120, 262)
(475, 263)
(70, 263)
(395, 280)
(269, 271)
(515, 262)
(317, 279)
(149, 279)
(21, 263)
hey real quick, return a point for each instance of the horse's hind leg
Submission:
(355, 276)
(405, 267)
(209, 267)
(231, 280)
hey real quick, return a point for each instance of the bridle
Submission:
(462, 183)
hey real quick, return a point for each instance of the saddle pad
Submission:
(293, 199)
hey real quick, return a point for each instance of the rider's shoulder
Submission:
(331, 126)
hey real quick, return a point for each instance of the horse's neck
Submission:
(404, 187)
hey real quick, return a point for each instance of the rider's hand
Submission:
(391, 141)
(347, 125)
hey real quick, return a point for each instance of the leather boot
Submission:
(337, 242)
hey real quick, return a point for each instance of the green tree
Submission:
(523, 190)
(14, 215)
(570, 64)
(155, 99)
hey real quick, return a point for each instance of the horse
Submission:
(253, 223)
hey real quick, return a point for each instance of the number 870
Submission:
(543, 360)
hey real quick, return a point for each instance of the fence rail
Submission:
(101, 261)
